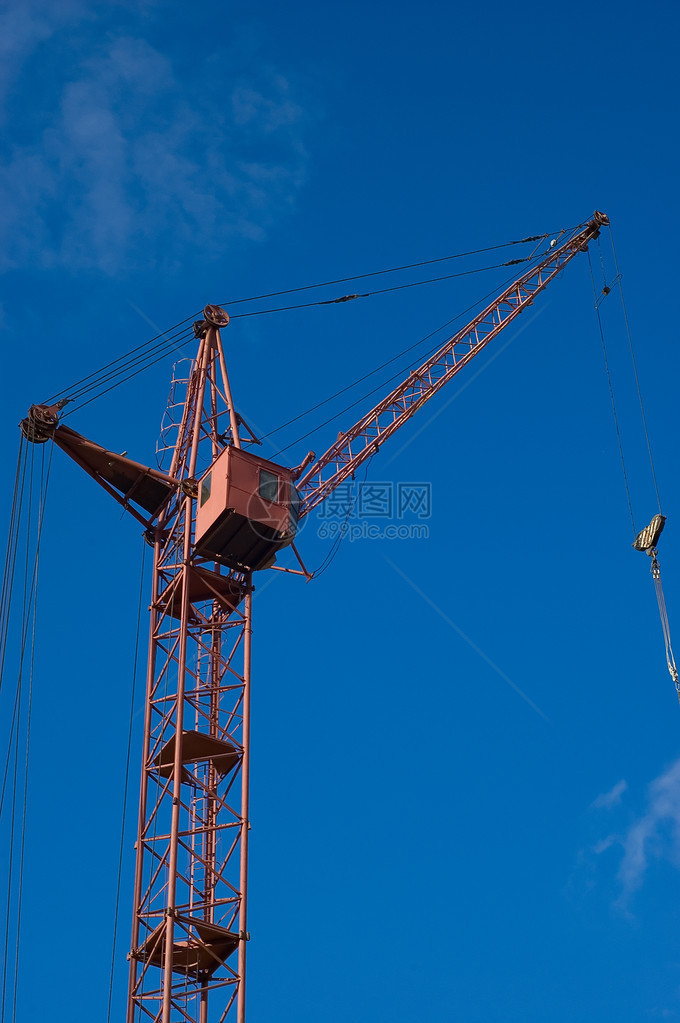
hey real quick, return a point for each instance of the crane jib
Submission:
(362, 440)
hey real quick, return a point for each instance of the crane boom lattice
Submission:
(362, 441)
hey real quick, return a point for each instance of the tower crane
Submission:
(218, 515)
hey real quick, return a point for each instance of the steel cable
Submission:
(384, 383)
(126, 356)
(611, 393)
(149, 358)
(635, 372)
(11, 843)
(397, 269)
(139, 356)
(127, 782)
(9, 875)
(342, 532)
(11, 553)
(665, 624)
(44, 480)
(388, 362)
(137, 366)
(18, 825)
(381, 291)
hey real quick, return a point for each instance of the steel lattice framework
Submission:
(189, 924)
(363, 439)
(189, 934)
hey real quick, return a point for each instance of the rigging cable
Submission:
(139, 355)
(611, 391)
(661, 601)
(159, 351)
(380, 387)
(120, 358)
(646, 540)
(11, 554)
(44, 479)
(382, 291)
(377, 369)
(127, 782)
(635, 372)
(136, 365)
(9, 874)
(342, 532)
(11, 844)
(397, 269)
(17, 829)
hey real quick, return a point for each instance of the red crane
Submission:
(219, 514)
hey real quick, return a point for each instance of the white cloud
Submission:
(251, 107)
(24, 26)
(653, 834)
(611, 798)
(126, 165)
(604, 844)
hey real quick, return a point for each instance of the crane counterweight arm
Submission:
(362, 440)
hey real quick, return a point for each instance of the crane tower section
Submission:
(188, 951)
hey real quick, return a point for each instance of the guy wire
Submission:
(635, 372)
(611, 393)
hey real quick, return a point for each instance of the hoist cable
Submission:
(388, 362)
(9, 877)
(380, 387)
(103, 377)
(635, 372)
(397, 269)
(381, 291)
(18, 824)
(9, 749)
(611, 392)
(44, 479)
(121, 358)
(643, 541)
(166, 350)
(602, 269)
(126, 785)
(11, 553)
(342, 532)
(144, 362)
(665, 625)
(137, 365)
(13, 809)
(140, 353)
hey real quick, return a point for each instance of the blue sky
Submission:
(426, 845)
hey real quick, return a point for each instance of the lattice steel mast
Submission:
(190, 882)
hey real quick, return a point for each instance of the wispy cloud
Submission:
(611, 798)
(121, 164)
(24, 25)
(652, 834)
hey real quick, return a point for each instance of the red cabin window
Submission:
(269, 486)
(205, 488)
